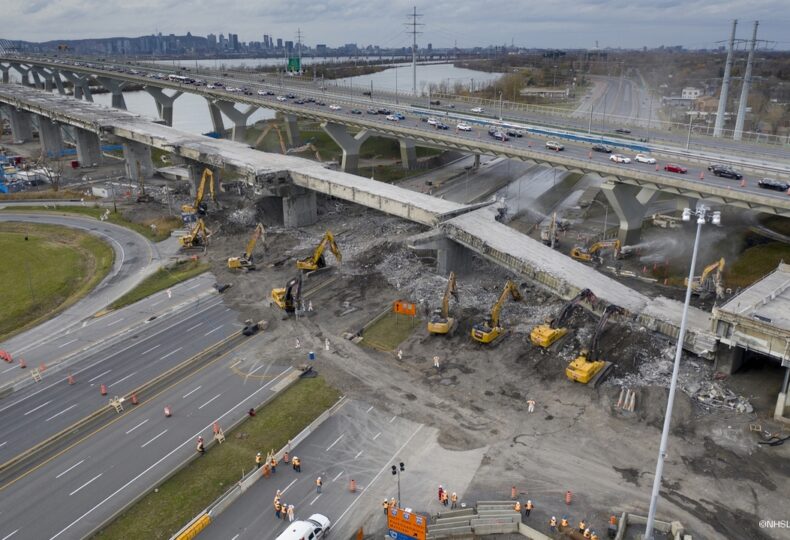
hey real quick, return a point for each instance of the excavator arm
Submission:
(509, 290)
(317, 261)
(489, 330)
(610, 310)
(451, 290)
(256, 235)
(198, 207)
(561, 319)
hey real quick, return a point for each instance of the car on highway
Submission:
(313, 528)
(260, 92)
(513, 132)
(463, 126)
(392, 118)
(290, 96)
(624, 131)
(384, 111)
(399, 115)
(724, 171)
(440, 125)
(282, 98)
(432, 121)
(619, 158)
(776, 185)
(212, 87)
(372, 111)
(601, 148)
(641, 158)
(335, 107)
(500, 136)
(320, 103)
(554, 145)
(435, 102)
(675, 168)
(355, 111)
(476, 109)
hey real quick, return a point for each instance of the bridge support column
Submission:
(196, 169)
(630, 204)
(21, 125)
(23, 72)
(50, 136)
(138, 160)
(88, 147)
(299, 209)
(239, 118)
(292, 131)
(408, 154)
(350, 145)
(82, 89)
(216, 118)
(116, 87)
(728, 359)
(37, 82)
(164, 103)
(476, 164)
(6, 76)
(450, 256)
(58, 82)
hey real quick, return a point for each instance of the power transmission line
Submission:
(414, 24)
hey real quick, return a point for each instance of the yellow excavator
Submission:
(142, 196)
(266, 130)
(197, 237)
(246, 261)
(544, 335)
(489, 330)
(705, 284)
(317, 260)
(304, 148)
(588, 367)
(190, 212)
(441, 322)
(589, 254)
(287, 298)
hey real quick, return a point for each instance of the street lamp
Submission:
(704, 215)
(396, 470)
(688, 139)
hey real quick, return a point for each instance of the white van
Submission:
(313, 528)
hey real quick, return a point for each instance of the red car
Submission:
(674, 167)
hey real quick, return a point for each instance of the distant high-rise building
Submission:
(223, 43)
(289, 46)
(266, 42)
(212, 41)
(233, 42)
(279, 43)
(430, 46)
(320, 48)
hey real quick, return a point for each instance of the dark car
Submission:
(372, 111)
(675, 168)
(356, 111)
(498, 135)
(310, 100)
(601, 148)
(725, 172)
(442, 126)
(384, 111)
(320, 103)
(290, 96)
(436, 102)
(367, 93)
(513, 132)
(624, 131)
(299, 102)
(776, 185)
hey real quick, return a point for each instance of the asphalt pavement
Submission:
(79, 489)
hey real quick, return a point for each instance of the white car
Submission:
(282, 98)
(433, 121)
(464, 127)
(210, 87)
(392, 118)
(261, 92)
(477, 109)
(619, 158)
(334, 107)
(641, 158)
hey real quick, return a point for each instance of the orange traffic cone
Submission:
(103, 389)
(134, 399)
(42, 367)
(71, 379)
(702, 175)
(352, 486)
(22, 364)
(657, 169)
(168, 413)
(568, 497)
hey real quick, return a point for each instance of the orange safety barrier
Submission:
(404, 308)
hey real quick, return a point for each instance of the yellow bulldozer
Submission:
(317, 260)
(441, 323)
(588, 366)
(545, 335)
(199, 208)
(246, 261)
(490, 330)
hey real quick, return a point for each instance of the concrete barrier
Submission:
(532, 534)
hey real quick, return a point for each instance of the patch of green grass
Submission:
(63, 194)
(164, 278)
(756, 262)
(389, 331)
(392, 173)
(164, 226)
(47, 272)
(776, 223)
(160, 515)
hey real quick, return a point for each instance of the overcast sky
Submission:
(530, 23)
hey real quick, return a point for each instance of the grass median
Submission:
(162, 513)
(46, 269)
(164, 278)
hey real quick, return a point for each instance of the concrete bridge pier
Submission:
(56, 78)
(450, 255)
(50, 136)
(164, 103)
(82, 89)
(116, 87)
(350, 145)
(476, 164)
(216, 117)
(299, 209)
(5, 71)
(23, 72)
(21, 124)
(37, 82)
(408, 154)
(138, 160)
(196, 169)
(630, 204)
(239, 118)
(292, 130)
(88, 147)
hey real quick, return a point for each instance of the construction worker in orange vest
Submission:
(297, 464)
(277, 508)
(594, 536)
(564, 522)
(553, 524)
(258, 460)
(587, 533)
(201, 449)
(528, 508)
(517, 507)
(445, 498)
(273, 464)
(386, 506)
(393, 503)
(285, 457)
(582, 526)
(454, 500)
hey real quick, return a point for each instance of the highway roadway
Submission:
(37, 412)
(75, 492)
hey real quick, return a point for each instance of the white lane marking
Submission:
(67, 470)
(289, 485)
(152, 440)
(194, 286)
(37, 408)
(189, 440)
(369, 409)
(358, 454)
(209, 401)
(9, 369)
(376, 436)
(191, 392)
(235, 537)
(151, 349)
(121, 380)
(61, 412)
(137, 426)
(193, 327)
(256, 369)
(85, 484)
(316, 498)
(334, 443)
(392, 419)
(212, 331)
(3, 444)
(157, 303)
(6, 537)
(67, 343)
(171, 353)
(384, 468)
(338, 476)
(115, 322)
(100, 375)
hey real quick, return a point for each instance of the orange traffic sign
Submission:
(405, 525)
(405, 308)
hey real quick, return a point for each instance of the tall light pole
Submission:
(500, 106)
(396, 470)
(688, 139)
(589, 124)
(703, 216)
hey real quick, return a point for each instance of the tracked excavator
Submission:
(197, 237)
(142, 196)
(304, 148)
(266, 130)
(544, 335)
(190, 212)
(317, 260)
(489, 330)
(287, 298)
(441, 322)
(588, 367)
(246, 262)
(591, 254)
(706, 284)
